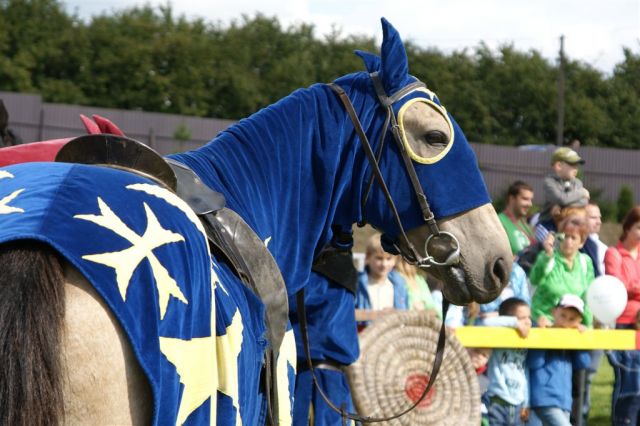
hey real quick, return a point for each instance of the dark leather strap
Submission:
(372, 161)
(232, 241)
(337, 265)
(427, 214)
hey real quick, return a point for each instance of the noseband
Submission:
(451, 254)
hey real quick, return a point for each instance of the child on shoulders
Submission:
(562, 188)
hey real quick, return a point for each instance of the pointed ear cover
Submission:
(371, 61)
(395, 66)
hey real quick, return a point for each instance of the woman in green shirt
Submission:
(561, 270)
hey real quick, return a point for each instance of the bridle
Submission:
(447, 241)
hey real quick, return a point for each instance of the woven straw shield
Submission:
(396, 357)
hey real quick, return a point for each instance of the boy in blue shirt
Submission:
(507, 395)
(550, 371)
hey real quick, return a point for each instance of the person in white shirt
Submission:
(381, 289)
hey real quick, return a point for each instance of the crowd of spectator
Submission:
(557, 254)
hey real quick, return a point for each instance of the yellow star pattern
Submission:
(126, 261)
(194, 362)
(288, 356)
(228, 348)
(5, 208)
(171, 199)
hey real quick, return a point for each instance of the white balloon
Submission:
(607, 298)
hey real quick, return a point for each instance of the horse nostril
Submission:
(501, 271)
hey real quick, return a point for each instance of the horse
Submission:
(291, 171)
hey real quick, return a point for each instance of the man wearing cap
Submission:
(562, 188)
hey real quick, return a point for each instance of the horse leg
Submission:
(103, 380)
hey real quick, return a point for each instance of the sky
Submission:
(595, 31)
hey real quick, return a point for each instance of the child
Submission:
(507, 395)
(550, 371)
(561, 188)
(380, 289)
(561, 270)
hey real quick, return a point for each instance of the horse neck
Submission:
(291, 171)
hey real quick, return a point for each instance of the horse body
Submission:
(291, 171)
(95, 343)
(145, 253)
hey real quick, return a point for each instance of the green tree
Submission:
(147, 58)
(42, 49)
(623, 103)
(125, 72)
(587, 117)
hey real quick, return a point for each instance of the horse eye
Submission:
(436, 137)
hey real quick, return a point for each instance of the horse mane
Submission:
(31, 386)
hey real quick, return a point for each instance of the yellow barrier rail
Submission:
(547, 338)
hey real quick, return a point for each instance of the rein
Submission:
(414, 257)
(437, 362)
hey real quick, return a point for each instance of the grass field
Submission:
(601, 388)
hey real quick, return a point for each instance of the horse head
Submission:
(434, 181)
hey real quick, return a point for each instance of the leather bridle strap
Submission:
(427, 214)
(366, 146)
(417, 258)
(369, 184)
(413, 255)
(439, 356)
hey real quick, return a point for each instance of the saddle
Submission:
(231, 239)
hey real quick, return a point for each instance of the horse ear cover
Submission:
(371, 61)
(394, 71)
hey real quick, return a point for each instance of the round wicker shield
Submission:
(396, 357)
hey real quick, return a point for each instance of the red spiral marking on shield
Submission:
(414, 386)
